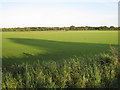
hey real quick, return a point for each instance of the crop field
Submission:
(60, 59)
(19, 47)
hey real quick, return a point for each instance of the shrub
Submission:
(102, 71)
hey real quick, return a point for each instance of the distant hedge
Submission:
(60, 28)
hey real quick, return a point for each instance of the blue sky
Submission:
(25, 13)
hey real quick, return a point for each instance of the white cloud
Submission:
(51, 16)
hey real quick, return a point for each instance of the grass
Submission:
(19, 47)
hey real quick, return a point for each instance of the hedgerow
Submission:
(100, 72)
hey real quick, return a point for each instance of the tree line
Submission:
(60, 28)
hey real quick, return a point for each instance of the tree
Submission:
(72, 27)
(112, 28)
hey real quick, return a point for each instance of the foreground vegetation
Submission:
(102, 71)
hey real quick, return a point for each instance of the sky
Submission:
(58, 13)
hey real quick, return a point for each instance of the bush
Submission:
(100, 72)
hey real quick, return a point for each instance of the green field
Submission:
(19, 47)
(60, 59)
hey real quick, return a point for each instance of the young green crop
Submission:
(19, 47)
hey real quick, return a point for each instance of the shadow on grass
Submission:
(57, 50)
